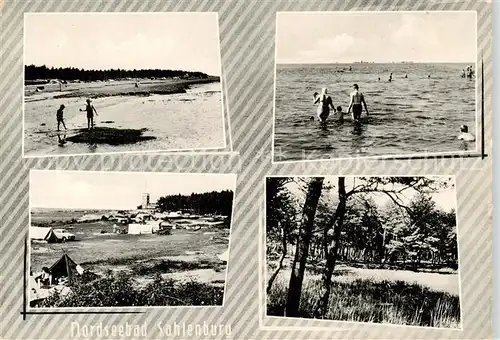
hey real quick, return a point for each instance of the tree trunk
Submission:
(332, 251)
(302, 247)
(284, 237)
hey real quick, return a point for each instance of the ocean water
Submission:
(407, 116)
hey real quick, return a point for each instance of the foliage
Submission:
(417, 233)
(281, 211)
(215, 202)
(32, 72)
(122, 290)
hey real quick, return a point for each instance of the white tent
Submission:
(140, 229)
(89, 218)
(44, 234)
(174, 215)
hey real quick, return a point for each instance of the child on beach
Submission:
(60, 118)
(90, 114)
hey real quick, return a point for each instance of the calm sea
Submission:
(408, 115)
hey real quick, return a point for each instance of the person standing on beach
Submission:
(90, 114)
(357, 100)
(60, 118)
(324, 102)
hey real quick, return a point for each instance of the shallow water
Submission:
(407, 116)
(186, 121)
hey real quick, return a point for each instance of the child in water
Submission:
(465, 135)
(60, 118)
(340, 114)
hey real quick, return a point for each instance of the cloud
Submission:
(327, 49)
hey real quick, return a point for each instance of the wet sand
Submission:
(190, 117)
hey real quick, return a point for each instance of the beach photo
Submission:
(380, 250)
(374, 84)
(122, 82)
(108, 239)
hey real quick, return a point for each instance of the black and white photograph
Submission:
(122, 82)
(374, 84)
(363, 249)
(107, 239)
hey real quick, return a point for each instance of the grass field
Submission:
(379, 296)
(185, 254)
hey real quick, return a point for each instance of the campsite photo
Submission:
(395, 84)
(122, 82)
(380, 250)
(106, 239)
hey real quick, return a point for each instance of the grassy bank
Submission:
(121, 290)
(392, 302)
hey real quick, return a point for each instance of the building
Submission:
(145, 200)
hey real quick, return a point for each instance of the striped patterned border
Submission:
(247, 31)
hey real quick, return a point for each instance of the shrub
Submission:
(121, 290)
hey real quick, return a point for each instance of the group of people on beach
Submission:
(89, 108)
(325, 102)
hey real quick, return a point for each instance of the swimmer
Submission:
(324, 102)
(465, 135)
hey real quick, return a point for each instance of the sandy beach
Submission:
(174, 115)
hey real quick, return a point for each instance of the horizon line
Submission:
(381, 62)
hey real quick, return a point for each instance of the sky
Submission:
(183, 41)
(116, 190)
(329, 37)
(444, 198)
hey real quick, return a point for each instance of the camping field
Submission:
(184, 256)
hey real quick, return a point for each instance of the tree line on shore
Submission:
(33, 72)
(350, 226)
(214, 202)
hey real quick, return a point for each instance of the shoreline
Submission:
(100, 89)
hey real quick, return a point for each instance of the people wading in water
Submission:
(324, 102)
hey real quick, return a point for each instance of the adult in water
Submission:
(357, 100)
(324, 102)
(90, 114)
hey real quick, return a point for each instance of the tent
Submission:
(65, 267)
(140, 229)
(45, 234)
(89, 218)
